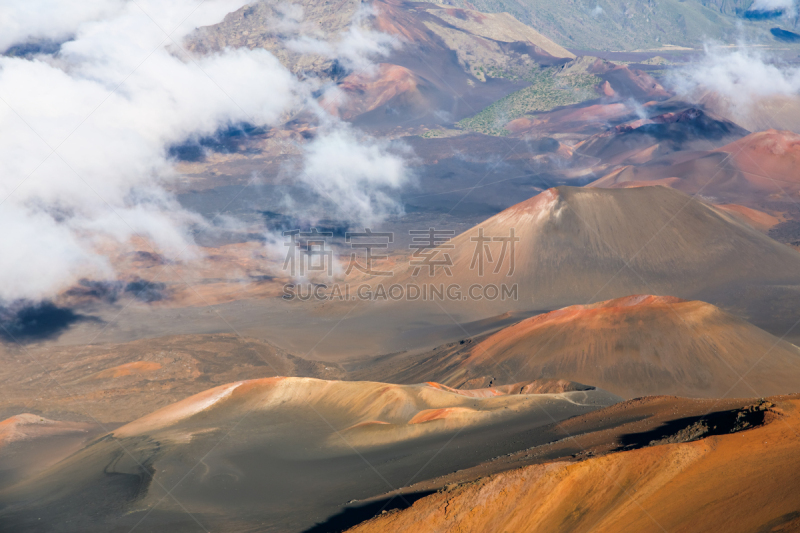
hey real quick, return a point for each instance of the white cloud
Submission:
(290, 18)
(48, 19)
(355, 49)
(356, 174)
(111, 102)
(773, 5)
(740, 77)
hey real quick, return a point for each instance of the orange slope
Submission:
(740, 482)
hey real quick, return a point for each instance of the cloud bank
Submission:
(84, 134)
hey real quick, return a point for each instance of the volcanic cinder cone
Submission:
(579, 245)
(634, 346)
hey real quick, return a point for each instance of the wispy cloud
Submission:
(740, 76)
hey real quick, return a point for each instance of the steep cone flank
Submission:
(740, 482)
(633, 346)
(580, 245)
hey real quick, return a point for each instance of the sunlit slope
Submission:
(739, 482)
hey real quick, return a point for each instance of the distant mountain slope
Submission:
(441, 59)
(482, 42)
(620, 25)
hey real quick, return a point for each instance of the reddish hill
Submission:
(391, 85)
(624, 82)
(767, 157)
(632, 346)
(757, 171)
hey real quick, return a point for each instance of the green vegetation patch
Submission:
(550, 88)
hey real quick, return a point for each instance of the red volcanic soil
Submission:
(631, 346)
(392, 18)
(593, 118)
(127, 369)
(429, 415)
(644, 344)
(755, 171)
(745, 481)
(767, 156)
(364, 92)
